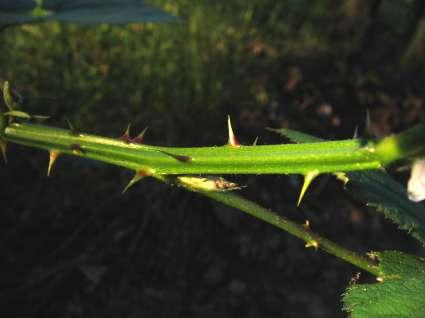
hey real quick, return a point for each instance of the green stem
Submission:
(323, 157)
(160, 162)
(302, 232)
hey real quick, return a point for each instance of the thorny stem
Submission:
(303, 232)
(163, 162)
(324, 157)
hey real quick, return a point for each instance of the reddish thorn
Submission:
(126, 135)
(139, 138)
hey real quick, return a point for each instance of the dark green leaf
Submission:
(18, 114)
(400, 294)
(79, 11)
(378, 190)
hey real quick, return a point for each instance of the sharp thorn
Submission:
(139, 138)
(72, 130)
(312, 243)
(136, 178)
(308, 178)
(3, 149)
(342, 176)
(77, 149)
(306, 225)
(180, 158)
(126, 135)
(233, 142)
(53, 155)
(255, 141)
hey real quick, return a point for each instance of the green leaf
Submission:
(389, 197)
(106, 11)
(400, 294)
(80, 11)
(18, 114)
(378, 190)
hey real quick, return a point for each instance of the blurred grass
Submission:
(313, 66)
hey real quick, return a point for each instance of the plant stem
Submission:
(302, 232)
(323, 157)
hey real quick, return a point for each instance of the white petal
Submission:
(416, 184)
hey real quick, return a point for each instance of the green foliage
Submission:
(377, 189)
(229, 57)
(85, 12)
(380, 191)
(400, 294)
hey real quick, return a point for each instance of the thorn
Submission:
(343, 177)
(126, 135)
(312, 243)
(3, 149)
(233, 142)
(180, 158)
(139, 138)
(53, 155)
(356, 132)
(77, 150)
(255, 141)
(136, 178)
(72, 130)
(308, 178)
(306, 225)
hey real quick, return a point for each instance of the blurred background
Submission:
(73, 246)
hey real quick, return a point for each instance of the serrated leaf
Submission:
(378, 190)
(389, 197)
(400, 294)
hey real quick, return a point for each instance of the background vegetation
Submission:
(72, 245)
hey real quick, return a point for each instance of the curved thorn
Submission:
(139, 138)
(308, 178)
(255, 141)
(312, 243)
(53, 155)
(342, 176)
(232, 141)
(139, 175)
(126, 135)
(3, 149)
(72, 130)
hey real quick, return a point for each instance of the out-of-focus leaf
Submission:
(378, 190)
(81, 11)
(18, 114)
(17, 5)
(400, 294)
